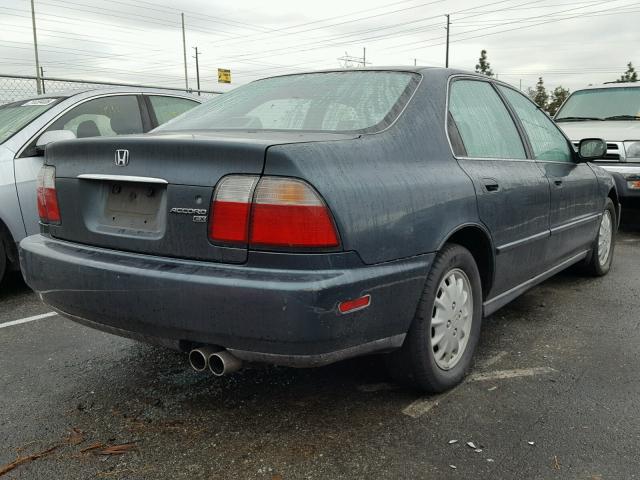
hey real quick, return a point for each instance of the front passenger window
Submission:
(546, 139)
(484, 123)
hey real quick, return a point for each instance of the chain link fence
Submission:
(13, 87)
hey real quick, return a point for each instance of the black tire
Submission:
(415, 363)
(3, 259)
(593, 265)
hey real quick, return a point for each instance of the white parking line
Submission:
(28, 319)
(493, 360)
(503, 374)
(424, 405)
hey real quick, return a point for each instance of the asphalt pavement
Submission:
(554, 394)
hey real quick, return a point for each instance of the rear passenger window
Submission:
(547, 141)
(167, 108)
(102, 117)
(484, 123)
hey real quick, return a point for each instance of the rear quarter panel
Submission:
(394, 194)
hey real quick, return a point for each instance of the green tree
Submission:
(483, 65)
(539, 94)
(629, 76)
(558, 96)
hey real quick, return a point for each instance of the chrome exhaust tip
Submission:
(223, 363)
(199, 358)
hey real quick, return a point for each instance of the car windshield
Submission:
(15, 116)
(362, 101)
(602, 104)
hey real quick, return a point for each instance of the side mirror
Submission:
(592, 149)
(53, 136)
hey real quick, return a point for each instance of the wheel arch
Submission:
(613, 195)
(9, 243)
(476, 238)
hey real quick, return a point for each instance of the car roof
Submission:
(611, 85)
(100, 90)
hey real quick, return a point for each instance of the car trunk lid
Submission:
(151, 194)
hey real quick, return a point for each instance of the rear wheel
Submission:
(601, 257)
(440, 344)
(3, 259)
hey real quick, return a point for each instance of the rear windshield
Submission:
(602, 103)
(362, 101)
(15, 116)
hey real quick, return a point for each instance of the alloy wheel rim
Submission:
(451, 319)
(604, 238)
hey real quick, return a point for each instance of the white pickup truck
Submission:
(611, 112)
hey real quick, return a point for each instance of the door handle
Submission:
(490, 185)
(558, 183)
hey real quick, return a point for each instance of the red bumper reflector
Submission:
(356, 304)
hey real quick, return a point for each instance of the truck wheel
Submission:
(599, 263)
(439, 346)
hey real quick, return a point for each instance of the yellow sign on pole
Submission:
(224, 75)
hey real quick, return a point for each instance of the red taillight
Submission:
(48, 208)
(283, 212)
(230, 209)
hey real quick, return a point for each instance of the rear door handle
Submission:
(490, 184)
(558, 183)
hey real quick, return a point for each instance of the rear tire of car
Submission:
(599, 262)
(3, 259)
(417, 363)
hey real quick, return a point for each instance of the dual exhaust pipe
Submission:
(219, 362)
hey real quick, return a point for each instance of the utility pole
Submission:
(197, 68)
(446, 63)
(42, 79)
(415, 62)
(520, 84)
(35, 46)
(184, 53)
(364, 56)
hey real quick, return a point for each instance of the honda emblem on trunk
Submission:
(122, 158)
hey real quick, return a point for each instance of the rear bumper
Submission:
(282, 316)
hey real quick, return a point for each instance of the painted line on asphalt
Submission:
(493, 360)
(424, 405)
(28, 319)
(504, 374)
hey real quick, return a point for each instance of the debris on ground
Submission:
(453, 467)
(531, 443)
(472, 445)
(75, 436)
(26, 459)
(491, 389)
(478, 450)
(118, 449)
(490, 460)
(556, 463)
(451, 442)
(93, 446)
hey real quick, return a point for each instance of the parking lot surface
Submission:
(554, 393)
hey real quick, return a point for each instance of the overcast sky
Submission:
(568, 42)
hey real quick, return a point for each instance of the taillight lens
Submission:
(289, 213)
(230, 209)
(270, 211)
(48, 208)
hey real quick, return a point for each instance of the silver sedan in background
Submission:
(27, 126)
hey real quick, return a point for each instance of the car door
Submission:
(102, 116)
(575, 202)
(163, 108)
(512, 191)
